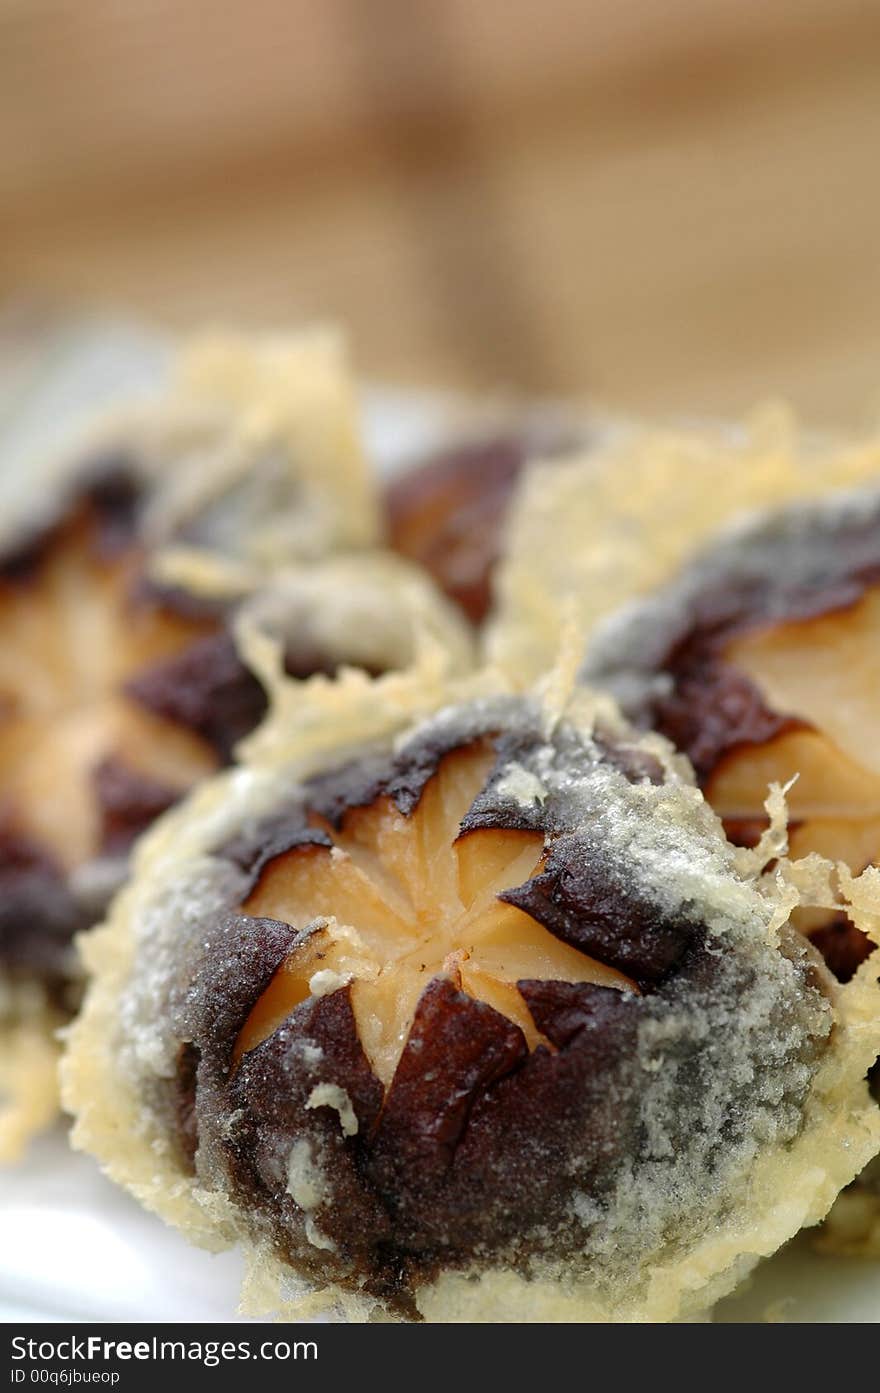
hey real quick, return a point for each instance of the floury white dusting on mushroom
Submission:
(666, 1085)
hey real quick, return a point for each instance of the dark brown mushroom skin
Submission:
(712, 709)
(842, 945)
(106, 494)
(39, 916)
(205, 688)
(479, 1147)
(41, 912)
(436, 1169)
(610, 922)
(447, 513)
(802, 564)
(129, 802)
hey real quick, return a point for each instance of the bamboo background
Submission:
(671, 206)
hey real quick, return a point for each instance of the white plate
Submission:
(75, 1248)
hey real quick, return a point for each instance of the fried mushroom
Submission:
(481, 1018)
(759, 661)
(133, 577)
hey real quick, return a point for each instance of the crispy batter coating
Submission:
(148, 579)
(757, 659)
(713, 1106)
(588, 533)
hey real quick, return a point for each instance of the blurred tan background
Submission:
(671, 204)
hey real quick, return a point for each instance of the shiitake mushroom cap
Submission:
(617, 1131)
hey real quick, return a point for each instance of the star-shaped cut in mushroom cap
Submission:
(83, 760)
(391, 902)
